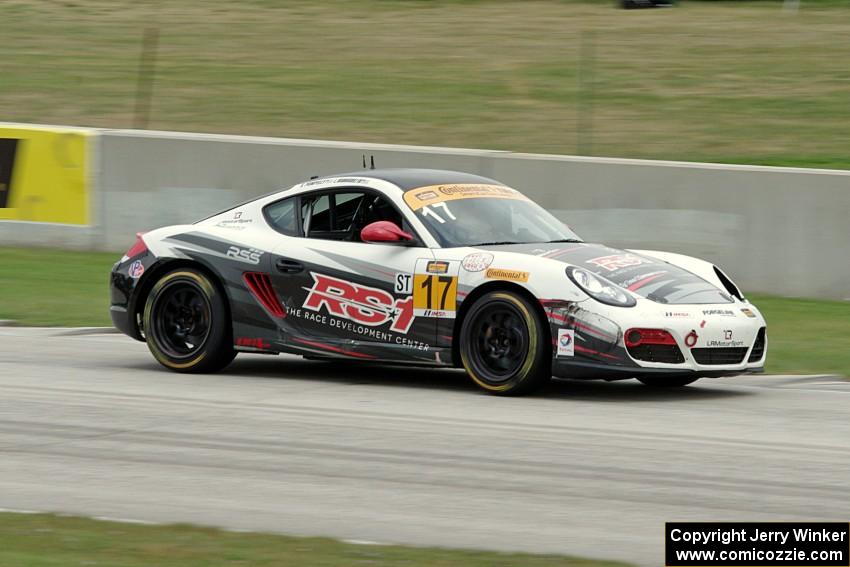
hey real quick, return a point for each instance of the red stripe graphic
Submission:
(588, 328)
(640, 283)
(333, 348)
(596, 352)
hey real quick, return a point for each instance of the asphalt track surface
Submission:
(91, 425)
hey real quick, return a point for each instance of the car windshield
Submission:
(479, 215)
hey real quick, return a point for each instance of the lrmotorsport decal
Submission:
(435, 289)
(728, 341)
(358, 303)
(433, 194)
(477, 261)
(510, 275)
(566, 342)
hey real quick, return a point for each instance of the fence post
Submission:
(144, 83)
(586, 64)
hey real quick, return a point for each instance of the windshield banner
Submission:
(433, 194)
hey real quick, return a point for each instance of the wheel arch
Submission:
(161, 268)
(480, 291)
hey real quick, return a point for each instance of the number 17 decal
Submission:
(428, 211)
(435, 289)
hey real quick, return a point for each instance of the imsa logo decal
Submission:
(363, 304)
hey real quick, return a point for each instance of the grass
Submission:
(44, 540)
(707, 81)
(55, 288)
(47, 287)
(806, 336)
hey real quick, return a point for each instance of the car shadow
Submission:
(361, 373)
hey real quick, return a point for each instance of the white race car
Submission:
(429, 267)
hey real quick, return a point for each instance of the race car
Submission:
(429, 267)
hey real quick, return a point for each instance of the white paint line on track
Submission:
(15, 511)
(126, 521)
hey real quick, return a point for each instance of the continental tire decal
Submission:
(433, 194)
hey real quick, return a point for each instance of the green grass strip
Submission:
(46, 540)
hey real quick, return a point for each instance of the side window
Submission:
(281, 216)
(319, 215)
(342, 215)
(346, 208)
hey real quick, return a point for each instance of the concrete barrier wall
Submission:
(777, 230)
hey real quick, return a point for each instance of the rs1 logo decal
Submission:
(365, 305)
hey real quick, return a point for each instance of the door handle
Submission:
(285, 266)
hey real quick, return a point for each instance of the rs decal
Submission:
(365, 305)
(248, 255)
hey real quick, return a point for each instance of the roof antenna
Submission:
(372, 161)
(364, 161)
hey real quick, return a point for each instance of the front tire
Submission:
(187, 327)
(667, 382)
(503, 345)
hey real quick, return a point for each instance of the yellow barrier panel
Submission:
(44, 174)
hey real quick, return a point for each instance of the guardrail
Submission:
(776, 230)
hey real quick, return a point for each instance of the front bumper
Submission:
(710, 340)
(588, 370)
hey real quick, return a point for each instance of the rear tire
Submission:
(187, 327)
(503, 345)
(667, 382)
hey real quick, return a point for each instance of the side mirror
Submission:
(384, 232)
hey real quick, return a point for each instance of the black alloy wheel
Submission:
(504, 344)
(186, 323)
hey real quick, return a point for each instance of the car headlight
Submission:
(600, 289)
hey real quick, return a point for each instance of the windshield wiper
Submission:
(498, 243)
(563, 240)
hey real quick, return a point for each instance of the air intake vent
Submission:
(725, 355)
(262, 290)
(758, 346)
(657, 353)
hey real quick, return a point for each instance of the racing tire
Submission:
(503, 345)
(187, 327)
(667, 382)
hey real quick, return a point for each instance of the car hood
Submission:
(647, 277)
